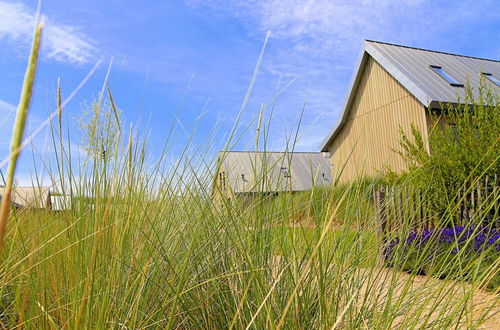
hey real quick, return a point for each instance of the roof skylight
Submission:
(452, 81)
(491, 78)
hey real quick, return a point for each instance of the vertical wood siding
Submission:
(222, 192)
(382, 107)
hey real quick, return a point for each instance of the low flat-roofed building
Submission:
(247, 173)
(30, 197)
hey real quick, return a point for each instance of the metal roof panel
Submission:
(262, 171)
(411, 68)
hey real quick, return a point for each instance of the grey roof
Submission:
(411, 68)
(266, 171)
(32, 197)
(14, 204)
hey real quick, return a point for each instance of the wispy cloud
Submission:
(62, 42)
(310, 34)
(319, 40)
(319, 26)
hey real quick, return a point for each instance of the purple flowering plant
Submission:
(445, 252)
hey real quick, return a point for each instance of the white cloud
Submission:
(319, 41)
(308, 32)
(61, 42)
(315, 25)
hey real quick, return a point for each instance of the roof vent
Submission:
(325, 177)
(285, 172)
(491, 78)
(452, 81)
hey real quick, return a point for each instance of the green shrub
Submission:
(464, 147)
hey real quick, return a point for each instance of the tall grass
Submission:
(18, 131)
(144, 246)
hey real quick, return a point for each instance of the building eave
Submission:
(370, 51)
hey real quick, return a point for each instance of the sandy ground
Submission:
(423, 298)
(432, 299)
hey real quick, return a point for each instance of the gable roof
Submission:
(267, 171)
(32, 197)
(411, 68)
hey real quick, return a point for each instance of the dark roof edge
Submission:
(273, 152)
(432, 51)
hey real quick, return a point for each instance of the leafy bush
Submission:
(145, 247)
(464, 143)
(99, 124)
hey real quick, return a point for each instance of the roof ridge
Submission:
(432, 51)
(30, 187)
(275, 152)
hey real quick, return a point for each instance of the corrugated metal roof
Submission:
(33, 197)
(411, 68)
(414, 64)
(268, 171)
(13, 204)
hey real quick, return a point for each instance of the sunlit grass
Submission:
(145, 246)
(18, 131)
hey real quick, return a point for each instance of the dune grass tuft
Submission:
(18, 132)
(143, 244)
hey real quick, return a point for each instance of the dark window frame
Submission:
(445, 75)
(491, 78)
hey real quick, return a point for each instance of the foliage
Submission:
(99, 124)
(131, 254)
(19, 125)
(311, 208)
(464, 144)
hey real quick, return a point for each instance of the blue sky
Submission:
(199, 55)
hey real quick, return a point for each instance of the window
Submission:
(491, 78)
(452, 81)
(285, 172)
(222, 178)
